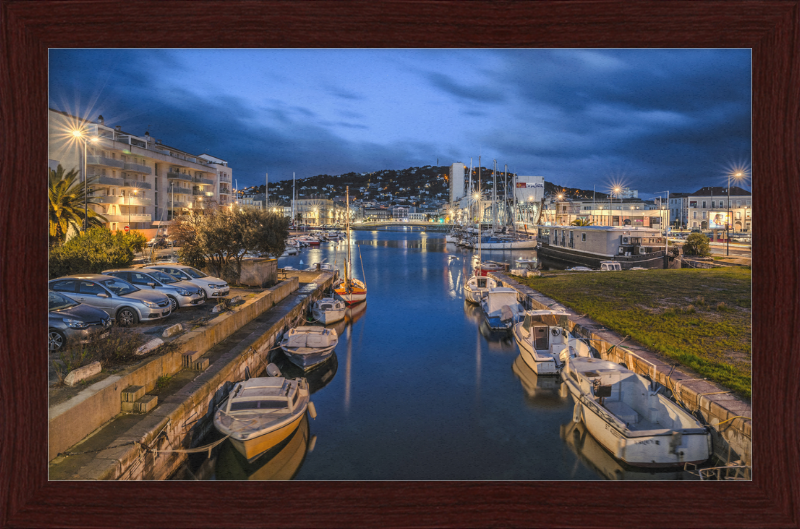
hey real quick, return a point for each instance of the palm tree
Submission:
(583, 221)
(67, 204)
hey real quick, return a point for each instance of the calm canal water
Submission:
(420, 391)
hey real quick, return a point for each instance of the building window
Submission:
(694, 215)
(583, 237)
(704, 214)
(704, 203)
(712, 204)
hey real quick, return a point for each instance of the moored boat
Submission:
(638, 425)
(307, 346)
(546, 347)
(328, 310)
(349, 289)
(476, 287)
(259, 413)
(500, 308)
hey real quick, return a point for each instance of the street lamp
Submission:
(737, 175)
(78, 134)
(615, 189)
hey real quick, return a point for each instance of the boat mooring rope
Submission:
(197, 450)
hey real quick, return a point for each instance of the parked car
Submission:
(213, 287)
(72, 322)
(180, 293)
(124, 302)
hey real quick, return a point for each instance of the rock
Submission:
(149, 346)
(217, 308)
(82, 373)
(234, 300)
(172, 330)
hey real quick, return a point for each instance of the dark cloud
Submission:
(655, 119)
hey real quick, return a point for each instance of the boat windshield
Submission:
(267, 404)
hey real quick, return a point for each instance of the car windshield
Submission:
(193, 272)
(58, 302)
(161, 276)
(118, 286)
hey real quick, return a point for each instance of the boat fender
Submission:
(312, 410)
(312, 443)
(576, 412)
(273, 371)
(247, 373)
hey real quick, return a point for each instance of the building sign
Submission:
(718, 220)
(529, 185)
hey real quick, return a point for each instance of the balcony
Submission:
(224, 191)
(137, 168)
(107, 180)
(201, 193)
(178, 176)
(137, 184)
(134, 217)
(105, 199)
(176, 204)
(203, 181)
(102, 160)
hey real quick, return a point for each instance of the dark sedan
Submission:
(72, 322)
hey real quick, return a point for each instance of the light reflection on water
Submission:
(426, 391)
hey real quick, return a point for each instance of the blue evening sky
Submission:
(649, 119)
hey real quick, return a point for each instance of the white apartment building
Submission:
(138, 181)
(707, 209)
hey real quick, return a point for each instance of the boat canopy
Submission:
(499, 297)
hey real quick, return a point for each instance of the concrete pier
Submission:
(134, 447)
(728, 417)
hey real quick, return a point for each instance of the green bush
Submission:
(92, 252)
(697, 244)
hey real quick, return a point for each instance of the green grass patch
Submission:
(697, 317)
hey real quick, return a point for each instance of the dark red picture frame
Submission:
(29, 28)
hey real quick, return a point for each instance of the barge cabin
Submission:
(589, 245)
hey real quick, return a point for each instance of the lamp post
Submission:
(615, 189)
(78, 134)
(737, 175)
(555, 216)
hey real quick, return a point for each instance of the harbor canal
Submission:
(419, 389)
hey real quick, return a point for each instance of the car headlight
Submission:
(149, 304)
(76, 324)
(184, 292)
(212, 285)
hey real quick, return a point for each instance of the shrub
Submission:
(94, 251)
(700, 300)
(721, 307)
(697, 244)
(690, 309)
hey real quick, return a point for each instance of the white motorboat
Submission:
(611, 266)
(638, 425)
(500, 308)
(259, 413)
(328, 310)
(545, 347)
(349, 289)
(490, 266)
(308, 346)
(476, 287)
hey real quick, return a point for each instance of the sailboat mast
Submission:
(494, 197)
(480, 211)
(514, 208)
(470, 199)
(347, 224)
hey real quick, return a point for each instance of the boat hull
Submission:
(328, 316)
(355, 294)
(307, 360)
(574, 257)
(254, 447)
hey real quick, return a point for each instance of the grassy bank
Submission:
(699, 318)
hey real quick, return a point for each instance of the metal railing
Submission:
(139, 168)
(177, 204)
(202, 181)
(102, 160)
(137, 184)
(133, 217)
(108, 181)
(178, 176)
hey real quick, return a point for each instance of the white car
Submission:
(212, 287)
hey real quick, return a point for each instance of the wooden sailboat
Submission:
(351, 290)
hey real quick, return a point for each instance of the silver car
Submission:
(72, 322)
(122, 301)
(180, 293)
(213, 287)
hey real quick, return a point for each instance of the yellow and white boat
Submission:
(261, 412)
(351, 290)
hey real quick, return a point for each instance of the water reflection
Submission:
(281, 462)
(496, 341)
(592, 454)
(317, 378)
(542, 392)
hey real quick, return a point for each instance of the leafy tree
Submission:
(221, 238)
(583, 221)
(67, 204)
(93, 251)
(697, 244)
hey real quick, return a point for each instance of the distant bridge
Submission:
(427, 226)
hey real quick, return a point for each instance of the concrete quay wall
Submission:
(729, 418)
(71, 421)
(155, 447)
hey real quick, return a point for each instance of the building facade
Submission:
(708, 208)
(633, 212)
(137, 181)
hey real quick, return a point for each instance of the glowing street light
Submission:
(79, 135)
(738, 175)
